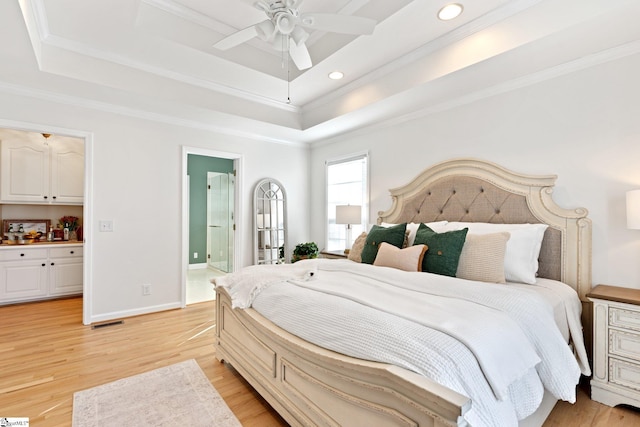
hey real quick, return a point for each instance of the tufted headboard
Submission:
(473, 190)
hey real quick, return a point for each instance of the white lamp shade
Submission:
(348, 214)
(633, 209)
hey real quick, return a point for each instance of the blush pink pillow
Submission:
(407, 259)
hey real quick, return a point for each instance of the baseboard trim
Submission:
(135, 312)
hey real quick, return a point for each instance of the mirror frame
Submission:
(269, 191)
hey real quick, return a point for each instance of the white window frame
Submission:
(329, 216)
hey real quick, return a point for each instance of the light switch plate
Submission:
(105, 225)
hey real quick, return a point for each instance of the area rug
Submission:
(176, 395)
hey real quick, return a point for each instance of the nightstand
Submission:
(333, 254)
(616, 345)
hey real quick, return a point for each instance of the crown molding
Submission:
(106, 107)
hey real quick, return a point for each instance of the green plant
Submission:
(304, 251)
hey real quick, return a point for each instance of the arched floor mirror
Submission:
(270, 222)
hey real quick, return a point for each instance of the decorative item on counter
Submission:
(70, 224)
(57, 233)
(50, 235)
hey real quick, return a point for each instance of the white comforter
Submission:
(500, 352)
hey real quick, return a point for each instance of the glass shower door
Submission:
(220, 221)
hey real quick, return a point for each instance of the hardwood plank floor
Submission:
(46, 354)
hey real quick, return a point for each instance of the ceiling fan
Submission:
(285, 28)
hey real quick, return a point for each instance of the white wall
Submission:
(584, 127)
(137, 183)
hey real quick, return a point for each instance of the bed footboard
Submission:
(309, 385)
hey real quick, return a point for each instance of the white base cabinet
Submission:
(65, 270)
(35, 272)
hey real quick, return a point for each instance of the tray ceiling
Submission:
(158, 56)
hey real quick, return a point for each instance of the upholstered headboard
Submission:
(473, 190)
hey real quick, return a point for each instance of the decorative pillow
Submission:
(443, 254)
(407, 259)
(523, 247)
(482, 257)
(412, 229)
(355, 254)
(393, 235)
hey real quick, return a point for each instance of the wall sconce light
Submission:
(633, 209)
(348, 214)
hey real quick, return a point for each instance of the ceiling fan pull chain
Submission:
(288, 76)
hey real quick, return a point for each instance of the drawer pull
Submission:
(71, 252)
(43, 264)
(21, 254)
(53, 263)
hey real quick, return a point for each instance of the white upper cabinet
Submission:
(35, 172)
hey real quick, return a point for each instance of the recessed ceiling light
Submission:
(336, 75)
(450, 11)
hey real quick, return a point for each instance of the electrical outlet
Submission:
(195, 255)
(146, 289)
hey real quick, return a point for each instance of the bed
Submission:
(312, 385)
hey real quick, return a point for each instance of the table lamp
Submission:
(348, 214)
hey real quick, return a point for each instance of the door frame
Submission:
(237, 165)
(87, 204)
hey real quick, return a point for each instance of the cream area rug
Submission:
(176, 395)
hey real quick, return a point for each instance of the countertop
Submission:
(5, 245)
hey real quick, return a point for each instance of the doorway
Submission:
(211, 183)
(83, 210)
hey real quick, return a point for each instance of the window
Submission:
(347, 184)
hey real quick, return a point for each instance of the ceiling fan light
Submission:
(336, 75)
(280, 43)
(450, 11)
(285, 23)
(265, 30)
(299, 35)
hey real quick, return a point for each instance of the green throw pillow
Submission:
(393, 235)
(444, 249)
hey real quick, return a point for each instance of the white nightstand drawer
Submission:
(624, 318)
(625, 344)
(624, 373)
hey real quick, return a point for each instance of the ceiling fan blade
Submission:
(237, 38)
(335, 23)
(300, 55)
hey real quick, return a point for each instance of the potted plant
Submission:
(305, 251)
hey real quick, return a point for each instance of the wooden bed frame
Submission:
(309, 385)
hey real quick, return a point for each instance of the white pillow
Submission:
(412, 228)
(523, 247)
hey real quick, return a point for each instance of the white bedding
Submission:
(368, 320)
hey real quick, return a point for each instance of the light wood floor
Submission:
(46, 354)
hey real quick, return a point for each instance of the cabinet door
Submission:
(20, 280)
(24, 172)
(67, 172)
(65, 276)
